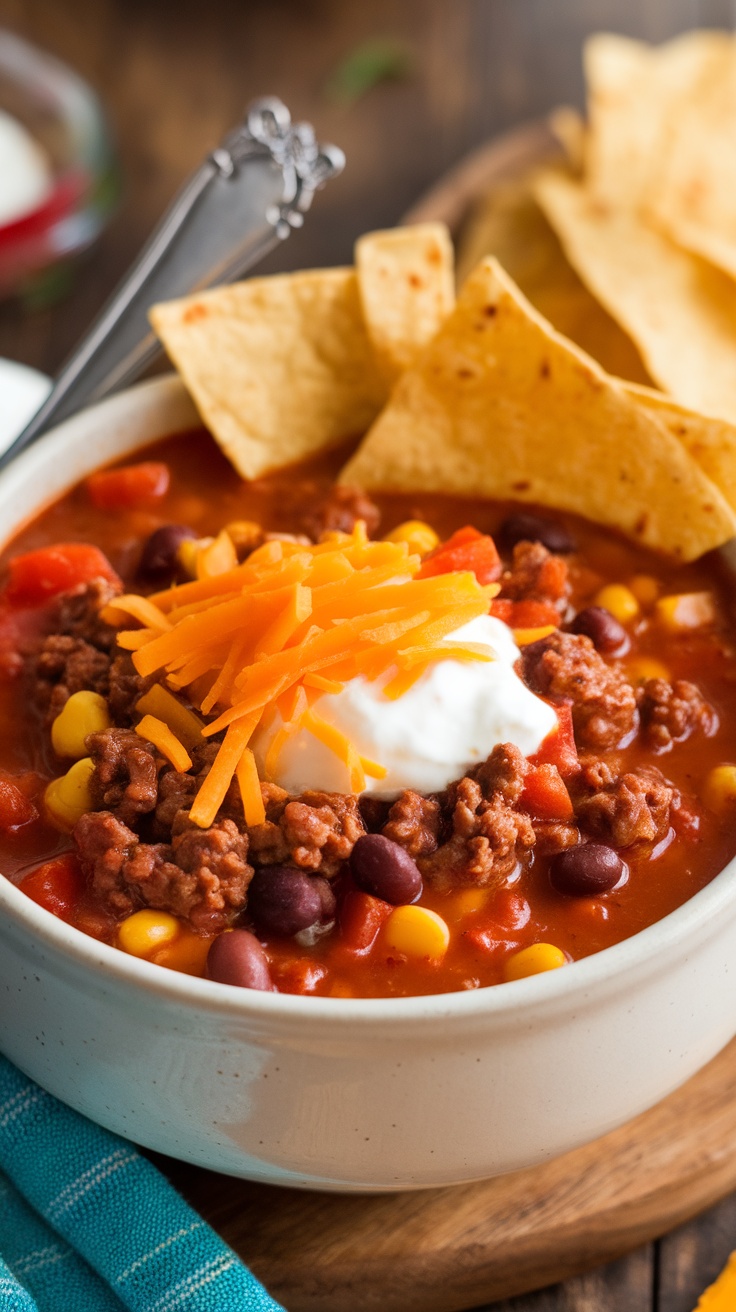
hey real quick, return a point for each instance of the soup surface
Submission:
(524, 863)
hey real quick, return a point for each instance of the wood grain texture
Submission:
(445, 1250)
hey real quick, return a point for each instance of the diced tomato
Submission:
(507, 914)
(361, 917)
(510, 910)
(128, 488)
(491, 940)
(545, 796)
(465, 550)
(15, 808)
(299, 976)
(559, 747)
(57, 885)
(38, 576)
(525, 614)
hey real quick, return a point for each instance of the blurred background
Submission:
(405, 87)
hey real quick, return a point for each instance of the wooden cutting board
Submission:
(451, 1249)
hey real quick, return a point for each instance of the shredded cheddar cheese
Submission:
(158, 733)
(272, 634)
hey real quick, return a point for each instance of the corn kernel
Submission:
(418, 536)
(216, 557)
(83, 713)
(66, 799)
(417, 932)
(246, 535)
(523, 637)
(533, 961)
(645, 588)
(620, 600)
(188, 552)
(686, 611)
(719, 789)
(144, 931)
(186, 952)
(469, 901)
(646, 667)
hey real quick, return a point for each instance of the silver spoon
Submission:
(238, 205)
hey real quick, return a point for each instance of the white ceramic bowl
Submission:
(334, 1093)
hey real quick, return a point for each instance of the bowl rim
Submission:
(641, 954)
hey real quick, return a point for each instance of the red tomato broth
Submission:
(484, 935)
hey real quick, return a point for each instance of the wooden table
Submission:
(174, 74)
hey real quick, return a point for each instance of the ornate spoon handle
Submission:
(241, 201)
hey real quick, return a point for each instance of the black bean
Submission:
(158, 559)
(587, 870)
(384, 869)
(236, 957)
(282, 900)
(603, 629)
(534, 528)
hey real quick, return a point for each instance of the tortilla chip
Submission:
(279, 368)
(692, 194)
(711, 442)
(407, 290)
(500, 405)
(634, 91)
(568, 127)
(679, 310)
(508, 223)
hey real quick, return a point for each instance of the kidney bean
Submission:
(159, 551)
(587, 870)
(236, 957)
(603, 629)
(383, 868)
(534, 528)
(282, 900)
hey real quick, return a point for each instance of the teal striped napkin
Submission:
(87, 1223)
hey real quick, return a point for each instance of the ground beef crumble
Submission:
(76, 653)
(483, 836)
(567, 667)
(629, 808)
(671, 712)
(339, 511)
(125, 777)
(414, 823)
(315, 831)
(201, 876)
(535, 575)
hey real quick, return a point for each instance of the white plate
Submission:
(22, 391)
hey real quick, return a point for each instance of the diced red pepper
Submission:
(467, 549)
(57, 885)
(525, 614)
(129, 488)
(37, 576)
(361, 917)
(15, 808)
(545, 796)
(559, 747)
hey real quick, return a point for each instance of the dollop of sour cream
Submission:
(448, 721)
(25, 172)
